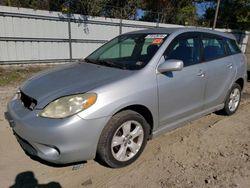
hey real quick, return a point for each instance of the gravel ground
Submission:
(213, 151)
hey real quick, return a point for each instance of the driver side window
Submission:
(185, 49)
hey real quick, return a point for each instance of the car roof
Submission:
(182, 30)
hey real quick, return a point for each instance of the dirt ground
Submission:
(213, 151)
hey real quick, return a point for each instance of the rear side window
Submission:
(213, 48)
(233, 48)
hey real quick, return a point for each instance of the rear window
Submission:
(233, 48)
(213, 48)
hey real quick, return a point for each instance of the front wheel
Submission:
(123, 139)
(232, 101)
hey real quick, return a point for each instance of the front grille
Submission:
(27, 101)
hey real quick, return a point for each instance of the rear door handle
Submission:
(201, 73)
(230, 66)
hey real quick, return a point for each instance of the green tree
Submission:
(187, 15)
(165, 11)
(170, 11)
(234, 14)
(109, 8)
(35, 4)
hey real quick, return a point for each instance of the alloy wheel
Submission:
(127, 140)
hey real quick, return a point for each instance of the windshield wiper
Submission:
(110, 64)
(90, 61)
(105, 63)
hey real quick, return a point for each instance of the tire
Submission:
(123, 139)
(232, 101)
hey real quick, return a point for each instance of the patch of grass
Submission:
(14, 76)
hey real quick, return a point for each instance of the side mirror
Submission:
(170, 65)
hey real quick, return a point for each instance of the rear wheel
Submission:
(233, 100)
(123, 139)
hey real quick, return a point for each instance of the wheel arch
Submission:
(240, 81)
(144, 111)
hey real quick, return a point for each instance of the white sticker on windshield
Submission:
(158, 36)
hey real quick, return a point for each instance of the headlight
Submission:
(69, 105)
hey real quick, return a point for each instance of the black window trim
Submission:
(200, 36)
(228, 49)
(210, 35)
(189, 34)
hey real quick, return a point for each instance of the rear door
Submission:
(220, 69)
(238, 57)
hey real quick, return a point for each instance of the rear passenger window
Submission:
(233, 48)
(186, 49)
(213, 48)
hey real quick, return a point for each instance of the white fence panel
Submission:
(28, 35)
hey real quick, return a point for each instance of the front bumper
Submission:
(58, 141)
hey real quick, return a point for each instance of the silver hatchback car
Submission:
(137, 86)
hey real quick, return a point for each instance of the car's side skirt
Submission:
(185, 120)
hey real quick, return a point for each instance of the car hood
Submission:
(68, 80)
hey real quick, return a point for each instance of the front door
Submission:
(181, 93)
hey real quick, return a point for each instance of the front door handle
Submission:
(201, 73)
(230, 66)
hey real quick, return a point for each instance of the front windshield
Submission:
(129, 51)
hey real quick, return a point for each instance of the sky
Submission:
(201, 8)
